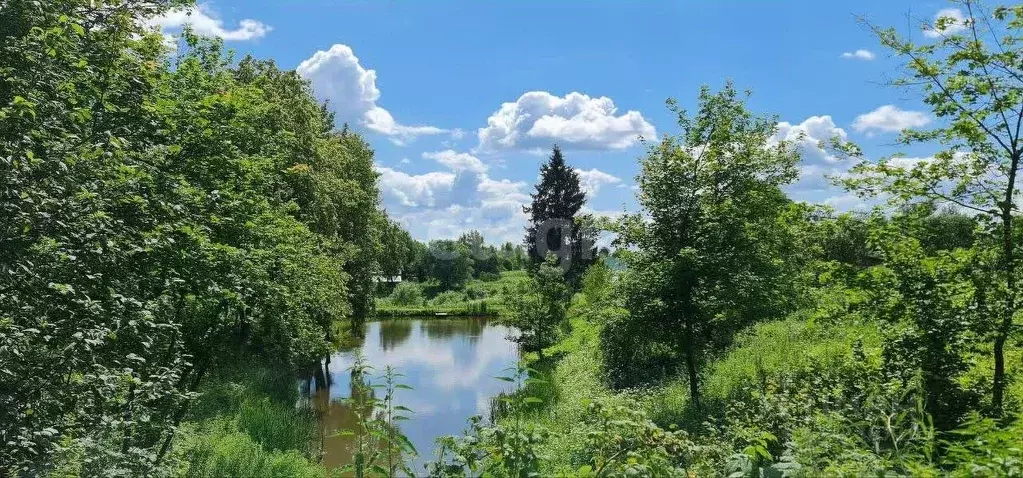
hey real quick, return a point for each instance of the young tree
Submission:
(538, 306)
(972, 78)
(927, 304)
(552, 218)
(714, 241)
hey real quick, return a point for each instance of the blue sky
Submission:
(461, 100)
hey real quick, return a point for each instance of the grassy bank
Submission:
(477, 298)
(782, 392)
(476, 308)
(245, 422)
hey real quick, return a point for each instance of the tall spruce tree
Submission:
(556, 204)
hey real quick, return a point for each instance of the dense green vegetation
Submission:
(182, 237)
(783, 339)
(161, 217)
(487, 278)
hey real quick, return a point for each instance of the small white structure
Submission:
(387, 279)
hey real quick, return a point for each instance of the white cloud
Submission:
(404, 161)
(808, 135)
(890, 118)
(443, 204)
(457, 161)
(816, 162)
(337, 76)
(957, 22)
(847, 202)
(423, 190)
(204, 22)
(537, 119)
(591, 180)
(860, 54)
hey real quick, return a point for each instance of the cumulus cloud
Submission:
(847, 202)
(204, 22)
(337, 76)
(591, 180)
(808, 135)
(890, 118)
(423, 190)
(817, 163)
(446, 203)
(457, 161)
(955, 22)
(859, 55)
(537, 119)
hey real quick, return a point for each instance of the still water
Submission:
(449, 363)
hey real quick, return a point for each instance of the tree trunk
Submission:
(181, 413)
(689, 347)
(694, 375)
(320, 377)
(1005, 328)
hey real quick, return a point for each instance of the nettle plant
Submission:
(381, 449)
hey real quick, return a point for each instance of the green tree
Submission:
(715, 242)
(157, 220)
(484, 257)
(513, 257)
(972, 78)
(449, 263)
(88, 290)
(538, 306)
(928, 304)
(552, 218)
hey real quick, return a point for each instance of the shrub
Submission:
(475, 291)
(448, 297)
(490, 276)
(407, 294)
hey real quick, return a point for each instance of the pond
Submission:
(449, 363)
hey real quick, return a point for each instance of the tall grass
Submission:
(782, 352)
(245, 423)
(277, 426)
(226, 453)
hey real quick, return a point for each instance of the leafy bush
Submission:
(448, 297)
(538, 307)
(475, 291)
(620, 440)
(489, 276)
(407, 294)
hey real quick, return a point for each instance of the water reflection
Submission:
(393, 333)
(450, 363)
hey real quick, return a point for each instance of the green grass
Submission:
(478, 308)
(245, 422)
(571, 381)
(223, 451)
(457, 303)
(780, 352)
(571, 370)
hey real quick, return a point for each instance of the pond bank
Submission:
(464, 310)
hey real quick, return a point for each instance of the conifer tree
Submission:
(553, 212)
